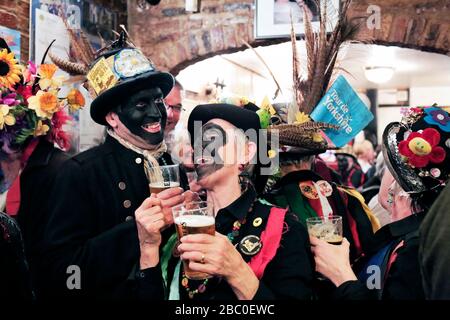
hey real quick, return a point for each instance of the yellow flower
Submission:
(41, 129)
(75, 99)
(44, 103)
(302, 117)
(244, 100)
(5, 117)
(9, 69)
(265, 104)
(271, 153)
(317, 137)
(47, 77)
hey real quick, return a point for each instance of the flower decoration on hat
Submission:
(265, 112)
(437, 116)
(31, 105)
(421, 148)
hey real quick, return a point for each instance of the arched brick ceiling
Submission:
(175, 39)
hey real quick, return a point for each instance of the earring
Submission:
(241, 167)
(390, 199)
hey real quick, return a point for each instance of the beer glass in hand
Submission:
(163, 177)
(193, 218)
(327, 229)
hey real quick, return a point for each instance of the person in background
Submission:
(15, 284)
(300, 182)
(434, 255)
(174, 107)
(32, 146)
(371, 190)
(417, 154)
(365, 154)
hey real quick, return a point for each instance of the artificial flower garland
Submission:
(30, 103)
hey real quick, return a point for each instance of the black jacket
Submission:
(14, 275)
(288, 276)
(92, 225)
(36, 181)
(402, 281)
(434, 248)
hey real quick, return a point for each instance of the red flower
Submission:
(422, 148)
(58, 135)
(25, 92)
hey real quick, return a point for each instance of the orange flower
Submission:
(47, 70)
(44, 103)
(75, 99)
(47, 77)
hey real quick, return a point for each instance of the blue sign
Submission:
(342, 106)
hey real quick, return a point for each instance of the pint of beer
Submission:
(193, 218)
(163, 177)
(157, 187)
(327, 229)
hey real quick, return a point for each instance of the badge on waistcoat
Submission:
(250, 245)
(308, 190)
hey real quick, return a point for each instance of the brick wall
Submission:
(174, 39)
(14, 14)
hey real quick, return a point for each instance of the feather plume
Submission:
(322, 51)
(295, 62)
(71, 68)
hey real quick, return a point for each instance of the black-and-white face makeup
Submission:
(206, 157)
(144, 114)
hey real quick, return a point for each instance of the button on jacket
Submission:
(92, 223)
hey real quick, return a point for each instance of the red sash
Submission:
(270, 238)
(13, 196)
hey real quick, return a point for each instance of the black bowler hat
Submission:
(239, 117)
(417, 149)
(120, 72)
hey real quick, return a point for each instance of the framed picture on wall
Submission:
(393, 97)
(273, 17)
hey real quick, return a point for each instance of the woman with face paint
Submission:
(418, 158)
(258, 251)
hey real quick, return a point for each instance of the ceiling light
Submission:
(379, 74)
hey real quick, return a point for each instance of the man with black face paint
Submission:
(94, 241)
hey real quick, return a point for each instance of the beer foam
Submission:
(162, 184)
(195, 221)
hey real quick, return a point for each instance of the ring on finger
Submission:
(202, 260)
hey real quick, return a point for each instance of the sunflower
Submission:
(9, 69)
(75, 99)
(44, 103)
(6, 117)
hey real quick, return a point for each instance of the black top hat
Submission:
(417, 149)
(120, 72)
